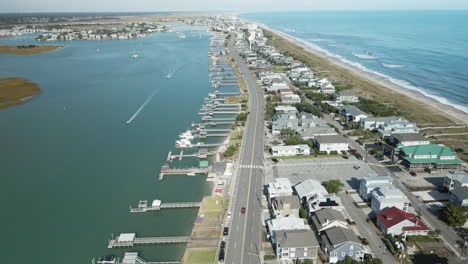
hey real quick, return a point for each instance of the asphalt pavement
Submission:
(244, 240)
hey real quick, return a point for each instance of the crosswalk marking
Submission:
(250, 166)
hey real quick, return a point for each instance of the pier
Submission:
(214, 123)
(201, 154)
(210, 119)
(133, 258)
(157, 205)
(130, 240)
(165, 170)
(200, 145)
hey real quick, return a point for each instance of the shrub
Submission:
(333, 186)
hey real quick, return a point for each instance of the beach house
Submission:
(371, 183)
(280, 187)
(334, 143)
(429, 156)
(315, 131)
(293, 150)
(394, 221)
(295, 244)
(280, 223)
(336, 238)
(374, 122)
(353, 113)
(457, 184)
(347, 96)
(409, 139)
(316, 197)
(383, 198)
(290, 99)
(285, 205)
(285, 109)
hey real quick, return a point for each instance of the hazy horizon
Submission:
(240, 6)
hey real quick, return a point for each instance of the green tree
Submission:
(242, 117)
(309, 108)
(302, 213)
(308, 261)
(373, 261)
(348, 260)
(295, 140)
(231, 150)
(287, 132)
(454, 215)
(275, 143)
(333, 186)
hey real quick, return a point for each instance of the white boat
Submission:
(135, 56)
(182, 36)
(168, 76)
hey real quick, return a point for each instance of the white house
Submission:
(372, 183)
(280, 187)
(331, 143)
(394, 221)
(384, 198)
(290, 99)
(347, 96)
(375, 122)
(409, 139)
(285, 109)
(294, 150)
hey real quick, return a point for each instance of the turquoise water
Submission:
(419, 50)
(71, 166)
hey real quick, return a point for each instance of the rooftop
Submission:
(429, 149)
(331, 139)
(290, 200)
(309, 187)
(296, 239)
(393, 216)
(409, 137)
(290, 222)
(353, 110)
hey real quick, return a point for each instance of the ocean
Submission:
(419, 50)
(74, 159)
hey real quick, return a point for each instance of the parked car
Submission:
(356, 167)
(243, 210)
(451, 172)
(345, 157)
(427, 170)
(226, 231)
(221, 255)
(229, 214)
(352, 150)
(222, 245)
(413, 174)
(275, 160)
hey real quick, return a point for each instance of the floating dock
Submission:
(165, 170)
(157, 205)
(130, 240)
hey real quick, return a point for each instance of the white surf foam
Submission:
(391, 65)
(142, 106)
(361, 67)
(318, 40)
(364, 56)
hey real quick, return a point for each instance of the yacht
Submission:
(135, 56)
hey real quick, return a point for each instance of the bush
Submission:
(454, 215)
(242, 117)
(231, 150)
(376, 108)
(309, 108)
(333, 186)
(302, 213)
(421, 239)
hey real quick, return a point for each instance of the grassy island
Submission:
(4, 37)
(15, 91)
(28, 49)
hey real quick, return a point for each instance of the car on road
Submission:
(226, 231)
(221, 255)
(243, 210)
(275, 160)
(356, 167)
(229, 214)
(352, 150)
(345, 157)
(413, 174)
(222, 245)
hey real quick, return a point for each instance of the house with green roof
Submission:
(429, 156)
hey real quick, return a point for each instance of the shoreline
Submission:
(34, 49)
(454, 114)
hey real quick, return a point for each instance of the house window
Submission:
(350, 253)
(292, 249)
(351, 247)
(343, 254)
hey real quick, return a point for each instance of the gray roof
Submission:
(318, 130)
(382, 119)
(320, 217)
(296, 238)
(292, 200)
(353, 110)
(338, 235)
(460, 177)
(346, 93)
(309, 187)
(461, 192)
(409, 137)
(331, 139)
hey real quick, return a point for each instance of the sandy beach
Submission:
(455, 115)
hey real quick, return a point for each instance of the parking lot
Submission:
(321, 169)
(422, 180)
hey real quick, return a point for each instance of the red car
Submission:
(243, 210)
(352, 150)
(413, 174)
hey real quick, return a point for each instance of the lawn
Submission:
(201, 256)
(234, 99)
(213, 204)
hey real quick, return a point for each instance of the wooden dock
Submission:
(200, 145)
(158, 205)
(130, 240)
(133, 258)
(165, 170)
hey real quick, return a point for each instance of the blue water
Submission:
(71, 166)
(419, 50)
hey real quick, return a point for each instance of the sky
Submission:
(221, 5)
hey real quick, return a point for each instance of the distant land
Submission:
(28, 50)
(14, 91)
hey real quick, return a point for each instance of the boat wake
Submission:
(142, 106)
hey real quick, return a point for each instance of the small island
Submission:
(14, 91)
(28, 49)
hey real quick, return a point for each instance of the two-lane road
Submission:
(244, 242)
